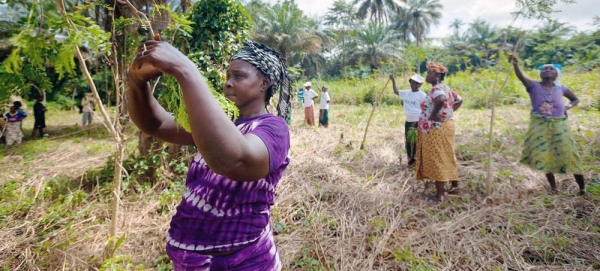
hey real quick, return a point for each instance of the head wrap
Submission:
(272, 65)
(436, 67)
(558, 69)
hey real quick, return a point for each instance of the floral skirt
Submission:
(550, 146)
(435, 158)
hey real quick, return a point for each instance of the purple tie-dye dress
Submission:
(217, 214)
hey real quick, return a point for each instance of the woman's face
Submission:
(245, 84)
(431, 78)
(548, 72)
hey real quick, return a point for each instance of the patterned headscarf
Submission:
(272, 65)
(436, 67)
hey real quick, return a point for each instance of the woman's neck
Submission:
(547, 82)
(247, 113)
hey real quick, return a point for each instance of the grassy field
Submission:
(338, 207)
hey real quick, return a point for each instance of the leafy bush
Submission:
(64, 103)
(226, 23)
(354, 91)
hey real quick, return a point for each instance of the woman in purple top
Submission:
(223, 220)
(549, 145)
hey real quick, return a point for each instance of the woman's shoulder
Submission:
(440, 88)
(536, 84)
(264, 120)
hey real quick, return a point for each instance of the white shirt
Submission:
(324, 100)
(412, 103)
(309, 94)
(88, 103)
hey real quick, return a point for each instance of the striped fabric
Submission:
(262, 255)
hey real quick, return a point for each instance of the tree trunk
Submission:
(185, 4)
(115, 206)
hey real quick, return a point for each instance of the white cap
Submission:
(417, 78)
(307, 84)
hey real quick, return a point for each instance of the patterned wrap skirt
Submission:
(550, 146)
(435, 159)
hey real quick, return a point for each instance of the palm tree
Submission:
(596, 21)
(313, 62)
(256, 9)
(483, 36)
(382, 10)
(422, 14)
(374, 43)
(285, 28)
(456, 25)
(402, 23)
(341, 15)
(555, 30)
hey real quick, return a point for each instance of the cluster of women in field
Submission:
(549, 145)
(223, 219)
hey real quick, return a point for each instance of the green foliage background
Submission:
(219, 29)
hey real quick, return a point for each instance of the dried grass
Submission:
(345, 208)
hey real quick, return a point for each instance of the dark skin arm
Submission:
(457, 105)
(395, 88)
(225, 150)
(438, 103)
(515, 62)
(571, 96)
(150, 117)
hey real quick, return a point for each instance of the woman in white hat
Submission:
(412, 109)
(309, 109)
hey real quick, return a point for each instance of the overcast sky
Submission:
(496, 12)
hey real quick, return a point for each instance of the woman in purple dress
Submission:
(223, 220)
(549, 144)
